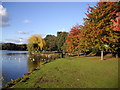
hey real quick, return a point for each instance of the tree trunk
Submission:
(117, 55)
(102, 55)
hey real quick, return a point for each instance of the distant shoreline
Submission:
(12, 50)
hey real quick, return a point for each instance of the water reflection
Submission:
(14, 65)
(15, 54)
(34, 61)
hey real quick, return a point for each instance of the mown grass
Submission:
(74, 72)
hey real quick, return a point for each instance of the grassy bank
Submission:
(74, 72)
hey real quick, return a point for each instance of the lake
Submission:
(15, 64)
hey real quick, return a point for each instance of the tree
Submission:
(97, 32)
(13, 46)
(116, 28)
(73, 40)
(104, 0)
(77, 40)
(99, 27)
(61, 38)
(35, 42)
(116, 23)
(50, 42)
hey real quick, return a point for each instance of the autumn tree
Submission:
(107, 0)
(116, 28)
(99, 28)
(98, 31)
(35, 42)
(73, 40)
(116, 22)
(78, 40)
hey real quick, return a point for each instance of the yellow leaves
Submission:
(37, 39)
(34, 38)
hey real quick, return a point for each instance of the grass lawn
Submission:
(74, 72)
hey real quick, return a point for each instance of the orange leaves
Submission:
(116, 23)
(98, 24)
(97, 29)
(73, 38)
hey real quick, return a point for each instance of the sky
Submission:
(20, 20)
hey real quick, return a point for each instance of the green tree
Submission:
(61, 39)
(50, 42)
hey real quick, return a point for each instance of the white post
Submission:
(102, 55)
(117, 55)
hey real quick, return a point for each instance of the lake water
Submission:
(15, 64)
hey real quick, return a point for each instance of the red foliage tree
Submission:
(72, 40)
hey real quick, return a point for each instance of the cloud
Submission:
(23, 32)
(22, 40)
(4, 17)
(26, 21)
(17, 41)
(11, 41)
